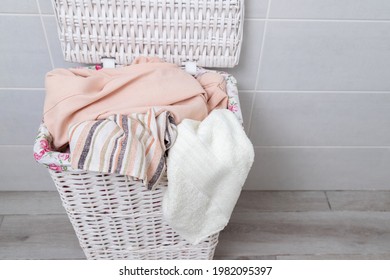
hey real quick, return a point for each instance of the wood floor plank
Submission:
(335, 257)
(265, 225)
(30, 203)
(306, 233)
(359, 200)
(218, 257)
(38, 237)
(274, 201)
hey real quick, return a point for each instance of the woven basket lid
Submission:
(208, 32)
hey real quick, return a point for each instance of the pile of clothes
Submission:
(148, 119)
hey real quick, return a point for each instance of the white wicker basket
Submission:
(116, 218)
(208, 32)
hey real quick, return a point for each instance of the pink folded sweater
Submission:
(79, 94)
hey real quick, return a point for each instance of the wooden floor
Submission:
(264, 225)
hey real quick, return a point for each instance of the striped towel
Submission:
(133, 145)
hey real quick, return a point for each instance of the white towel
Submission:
(206, 170)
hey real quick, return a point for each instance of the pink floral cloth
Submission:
(44, 154)
(60, 161)
(232, 92)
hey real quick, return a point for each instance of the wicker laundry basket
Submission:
(115, 217)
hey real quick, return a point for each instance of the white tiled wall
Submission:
(314, 80)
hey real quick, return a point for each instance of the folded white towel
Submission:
(206, 170)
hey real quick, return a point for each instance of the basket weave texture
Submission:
(114, 217)
(117, 218)
(208, 32)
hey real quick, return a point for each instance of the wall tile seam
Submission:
(320, 147)
(22, 89)
(249, 124)
(18, 146)
(27, 15)
(318, 20)
(314, 91)
(45, 35)
(20, 14)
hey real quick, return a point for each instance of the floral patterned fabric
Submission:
(233, 101)
(44, 154)
(232, 92)
(60, 161)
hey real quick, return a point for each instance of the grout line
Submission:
(247, 90)
(315, 190)
(319, 20)
(45, 33)
(258, 68)
(292, 190)
(256, 19)
(30, 191)
(26, 89)
(250, 114)
(16, 14)
(327, 199)
(332, 256)
(18, 146)
(314, 91)
(262, 44)
(37, 214)
(325, 91)
(322, 147)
